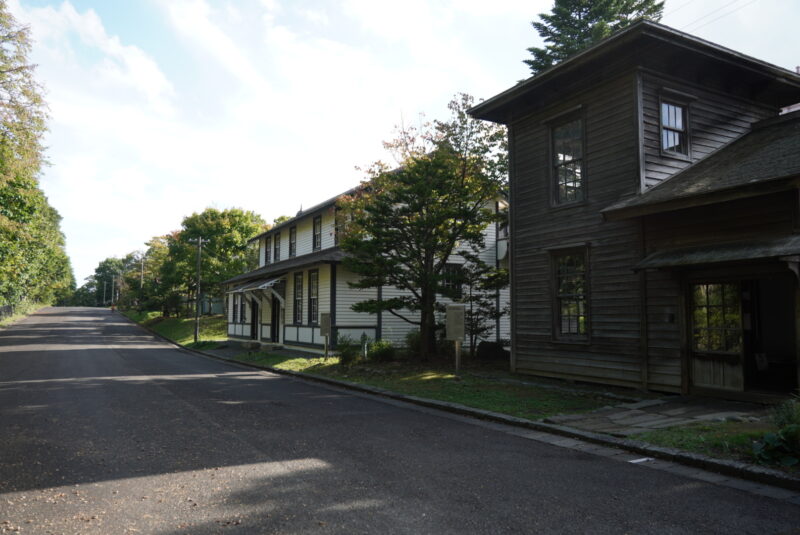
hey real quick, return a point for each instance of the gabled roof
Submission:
(303, 213)
(331, 254)
(764, 160)
(644, 43)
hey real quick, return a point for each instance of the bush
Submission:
(787, 413)
(381, 351)
(781, 448)
(413, 343)
(349, 350)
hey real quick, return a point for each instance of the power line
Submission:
(723, 15)
(683, 5)
(709, 14)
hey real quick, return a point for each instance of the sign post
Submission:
(454, 329)
(325, 328)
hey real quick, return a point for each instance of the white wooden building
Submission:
(300, 276)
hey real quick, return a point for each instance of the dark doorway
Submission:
(275, 320)
(255, 319)
(770, 352)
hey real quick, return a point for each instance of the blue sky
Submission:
(161, 108)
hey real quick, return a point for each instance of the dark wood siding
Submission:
(612, 354)
(715, 119)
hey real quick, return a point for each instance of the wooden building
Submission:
(654, 217)
(300, 276)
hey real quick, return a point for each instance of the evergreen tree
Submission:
(574, 25)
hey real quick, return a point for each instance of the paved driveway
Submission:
(108, 430)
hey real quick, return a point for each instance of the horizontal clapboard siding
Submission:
(714, 121)
(612, 355)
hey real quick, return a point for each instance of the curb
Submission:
(737, 469)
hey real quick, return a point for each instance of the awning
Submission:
(259, 284)
(728, 252)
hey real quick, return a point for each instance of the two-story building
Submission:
(654, 217)
(301, 276)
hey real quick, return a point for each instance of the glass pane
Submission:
(715, 294)
(568, 142)
(700, 317)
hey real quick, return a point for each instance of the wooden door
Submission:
(275, 320)
(255, 319)
(716, 335)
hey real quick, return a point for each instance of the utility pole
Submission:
(199, 241)
(105, 283)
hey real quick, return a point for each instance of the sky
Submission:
(162, 108)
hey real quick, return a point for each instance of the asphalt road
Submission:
(104, 429)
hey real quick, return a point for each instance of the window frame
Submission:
(556, 297)
(242, 309)
(313, 297)
(552, 124)
(267, 251)
(297, 297)
(723, 307)
(276, 247)
(292, 242)
(684, 101)
(316, 233)
(235, 307)
(450, 271)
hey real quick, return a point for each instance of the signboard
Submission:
(454, 322)
(325, 324)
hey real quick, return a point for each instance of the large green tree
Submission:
(404, 223)
(574, 25)
(33, 263)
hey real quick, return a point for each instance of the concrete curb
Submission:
(722, 466)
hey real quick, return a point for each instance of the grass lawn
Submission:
(181, 330)
(437, 382)
(730, 440)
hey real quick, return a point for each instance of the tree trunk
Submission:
(427, 327)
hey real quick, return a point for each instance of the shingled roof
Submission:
(764, 160)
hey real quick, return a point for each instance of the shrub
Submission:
(781, 448)
(349, 350)
(492, 351)
(787, 413)
(413, 343)
(381, 351)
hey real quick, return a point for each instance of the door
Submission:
(717, 335)
(255, 319)
(275, 321)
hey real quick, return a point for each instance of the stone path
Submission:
(634, 418)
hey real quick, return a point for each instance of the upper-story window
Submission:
(276, 249)
(317, 243)
(571, 294)
(568, 176)
(674, 133)
(267, 245)
(292, 242)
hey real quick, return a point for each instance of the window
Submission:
(568, 161)
(452, 279)
(317, 245)
(313, 296)
(674, 134)
(235, 308)
(571, 294)
(292, 242)
(716, 318)
(337, 226)
(242, 309)
(277, 247)
(267, 245)
(298, 298)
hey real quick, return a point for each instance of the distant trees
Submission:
(164, 276)
(404, 224)
(573, 25)
(33, 263)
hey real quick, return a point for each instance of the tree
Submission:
(403, 224)
(574, 25)
(33, 263)
(482, 283)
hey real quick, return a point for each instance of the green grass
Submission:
(181, 330)
(22, 310)
(524, 401)
(731, 440)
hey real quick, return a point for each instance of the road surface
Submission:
(106, 429)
